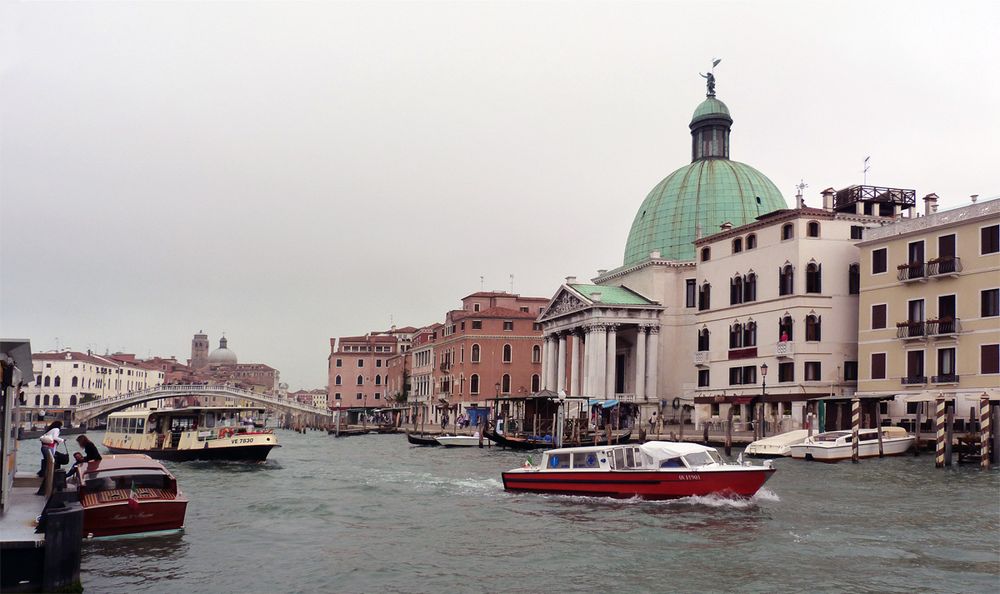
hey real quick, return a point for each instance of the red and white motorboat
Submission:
(653, 470)
(129, 494)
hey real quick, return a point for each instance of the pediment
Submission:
(562, 303)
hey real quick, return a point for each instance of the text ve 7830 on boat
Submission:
(653, 470)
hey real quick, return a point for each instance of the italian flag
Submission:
(133, 498)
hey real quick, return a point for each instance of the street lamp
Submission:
(763, 393)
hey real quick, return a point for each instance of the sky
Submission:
(290, 172)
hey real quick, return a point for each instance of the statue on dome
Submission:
(710, 78)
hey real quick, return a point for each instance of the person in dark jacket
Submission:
(90, 453)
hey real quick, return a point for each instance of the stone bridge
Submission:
(303, 413)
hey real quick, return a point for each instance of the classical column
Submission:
(652, 348)
(640, 363)
(612, 356)
(561, 364)
(598, 374)
(574, 366)
(585, 364)
(546, 361)
(554, 367)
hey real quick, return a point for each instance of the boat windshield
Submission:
(831, 436)
(109, 481)
(702, 458)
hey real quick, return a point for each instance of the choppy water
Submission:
(372, 513)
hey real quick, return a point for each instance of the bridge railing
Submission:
(185, 389)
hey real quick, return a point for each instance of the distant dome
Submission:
(222, 355)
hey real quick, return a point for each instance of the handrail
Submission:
(189, 388)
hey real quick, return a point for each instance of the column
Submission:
(611, 353)
(652, 348)
(546, 361)
(554, 365)
(585, 364)
(574, 366)
(640, 363)
(598, 376)
(561, 364)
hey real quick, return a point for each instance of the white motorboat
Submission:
(776, 446)
(460, 441)
(834, 446)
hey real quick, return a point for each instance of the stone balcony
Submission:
(784, 349)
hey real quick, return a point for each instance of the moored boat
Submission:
(192, 433)
(776, 446)
(468, 441)
(129, 494)
(834, 446)
(653, 470)
(421, 440)
(527, 443)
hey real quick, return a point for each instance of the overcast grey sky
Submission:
(288, 172)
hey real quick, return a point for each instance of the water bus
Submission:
(834, 446)
(653, 470)
(129, 494)
(191, 433)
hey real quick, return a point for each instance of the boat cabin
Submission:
(652, 455)
(840, 437)
(179, 428)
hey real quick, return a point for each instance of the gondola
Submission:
(421, 440)
(521, 443)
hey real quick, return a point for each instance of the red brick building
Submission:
(358, 371)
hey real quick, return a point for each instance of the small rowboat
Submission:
(421, 440)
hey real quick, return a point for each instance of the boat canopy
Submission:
(665, 450)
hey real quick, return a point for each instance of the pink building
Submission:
(358, 370)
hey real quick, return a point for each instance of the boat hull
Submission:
(250, 453)
(118, 519)
(868, 449)
(646, 484)
(462, 441)
(421, 440)
(530, 444)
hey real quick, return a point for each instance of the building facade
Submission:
(358, 374)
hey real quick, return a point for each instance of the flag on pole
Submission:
(133, 498)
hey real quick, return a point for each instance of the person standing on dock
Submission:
(50, 439)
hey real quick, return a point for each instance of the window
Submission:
(737, 245)
(536, 354)
(857, 231)
(378, 362)
(507, 352)
(38, 380)
(72, 400)
(750, 374)
(505, 384)
(340, 362)
(336, 396)
(814, 371)
(378, 395)
(750, 287)
(880, 260)
(703, 378)
(705, 297)
(536, 327)
(336, 381)
(474, 384)
(475, 353)
(785, 328)
(946, 365)
(73, 382)
(736, 290)
(813, 328)
(851, 371)
(989, 358)
(55, 400)
(38, 400)
(990, 240)
(361, 380)
(812, 229)
(524, 308)
(715, 409)
(57, 382)
(854, 279)
(535, 383)
(814, 278)
(915, 366)
(706, 254)
(378, 380)
(751, 241)
(878, 366)
(690, 292)
(475, 307)
(361, 362)
(990, 303)
(477, 324)
(786, 372)
(47, 379)
(46, 400)
(735, 376)
(703, 336)
(878, 316)
(508, 326)
(786, 280)
(787, 232)
(743, 375)
(736, 336)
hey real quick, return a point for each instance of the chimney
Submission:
(601, 271)
(570, 280)
(595, 297)
(974, 196)
(655, 254)
(828, 195)
(930, 204)
(726, 226)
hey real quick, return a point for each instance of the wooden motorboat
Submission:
(834, 446)
(191, 433)
(457, 441)
(653, 470)
(421, 440)
(128, 494)
(776, 446)
(525, 443)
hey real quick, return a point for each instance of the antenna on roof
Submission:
(482, 283)
(512, 284)
(865, 171)
(799, 202)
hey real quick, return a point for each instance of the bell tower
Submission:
(199, 350)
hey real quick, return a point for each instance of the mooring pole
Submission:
(950, 429)
(810, 419)
(996, 433)
(916, 431)
(729, 431)
(855, 425)
(984, 432)
(878, 428)
(939, 433)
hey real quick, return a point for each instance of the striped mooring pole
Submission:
(984, 432)
(855, 426)
(939, 440)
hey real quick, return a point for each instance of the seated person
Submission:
(89, 449)
(78, 459)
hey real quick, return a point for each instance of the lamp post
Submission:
(759, 413)
(561, 418)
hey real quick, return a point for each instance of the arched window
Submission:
(507, 352)
(705, 297)
(750, 334)
(38, 399)
(786, 280)
(736, 336)
(336, 381)
(814, 278)
(73, 382)
(703, 339)
(751, 241)
(813, 328)
(47, 378)
(785, 328)
(475, 353)
(750, 287)
(505, 384)
(535, 383)
(737, 245)
(57, 382)
(854, 279)
(55, 400)
(72, 400)
(385, 379)
(736, 290)
(38, 380)
(706, 254)
(812, 229)
(474, 384)
(361, 380)
(787, 231)
(536, 354)
(45, 401)
(378, 380)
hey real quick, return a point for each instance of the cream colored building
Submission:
(929, 318)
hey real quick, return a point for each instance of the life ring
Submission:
(676, 403)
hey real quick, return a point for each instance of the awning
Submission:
(604, 403)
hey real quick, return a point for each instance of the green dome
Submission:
(708, 192)
(711, 108)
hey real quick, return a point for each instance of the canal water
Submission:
(371, 513)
